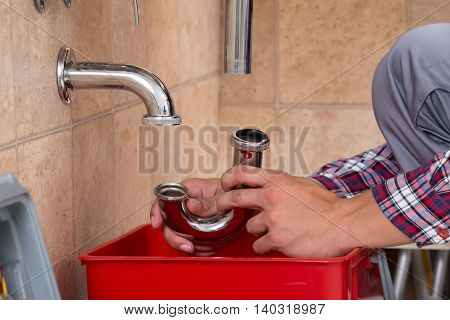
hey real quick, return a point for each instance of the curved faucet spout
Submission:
(73, 75)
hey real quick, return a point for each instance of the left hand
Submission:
(202, 201)
(302, 219)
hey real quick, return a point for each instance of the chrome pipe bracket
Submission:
(66, 58)
(136, 12)
(40, 5)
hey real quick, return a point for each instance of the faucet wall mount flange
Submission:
(40, 5)
(66, 58)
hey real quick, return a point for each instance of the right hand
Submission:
(203, 194)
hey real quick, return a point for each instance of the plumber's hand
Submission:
(203, 199)
(302, 219)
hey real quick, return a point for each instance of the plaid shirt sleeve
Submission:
(349, 177)
(416, 202)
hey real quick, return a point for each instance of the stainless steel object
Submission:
(218, 229)
(175, 195)
(402, 272)
(411, 262)
(440, 274)
(40, 5)
(249, 145)
(238, 36)
(72, 75)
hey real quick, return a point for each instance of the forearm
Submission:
(350, 177)
(412, 205)
(365, 225)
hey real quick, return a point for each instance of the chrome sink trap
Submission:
(216, 230)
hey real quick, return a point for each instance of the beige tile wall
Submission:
(80, 162)
(428, 11)
(320, 40)
(313, 63)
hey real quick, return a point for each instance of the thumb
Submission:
(202, 206)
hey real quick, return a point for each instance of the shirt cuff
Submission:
(414, 207)
(331, 184)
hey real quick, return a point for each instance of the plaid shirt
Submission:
(416, 202)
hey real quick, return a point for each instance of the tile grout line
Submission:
(327, 106)
(38, 136)
(14, 89)
(146, 26)
(9, 145)
(93, 118)
(196, 80)
(120, 107)
(72, 177)
(407, 13)
(73, 125)
(221, 58)
(114, 173)
(297, 106)
(113, 109)
(126, 105)
(247, 103)
(276, 55)
(110, 228)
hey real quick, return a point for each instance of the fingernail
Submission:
(185, 248)
(153, 223)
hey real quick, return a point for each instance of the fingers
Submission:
(240, 198)
(202, 188)
(202, 206)
(257, 225)
(203, 195)
(204, 254)
(204, 251)
(263, 245)
(248, 175)
(155, 215)
(177, 242)
(202, 201)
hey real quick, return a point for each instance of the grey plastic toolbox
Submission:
(23, 254)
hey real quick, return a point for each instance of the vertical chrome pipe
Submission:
(402, 272)
(440, 273)
(249, 145)
(238, 36)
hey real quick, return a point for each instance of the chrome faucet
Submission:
(73, 75)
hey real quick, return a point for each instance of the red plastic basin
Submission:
(140, 265)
